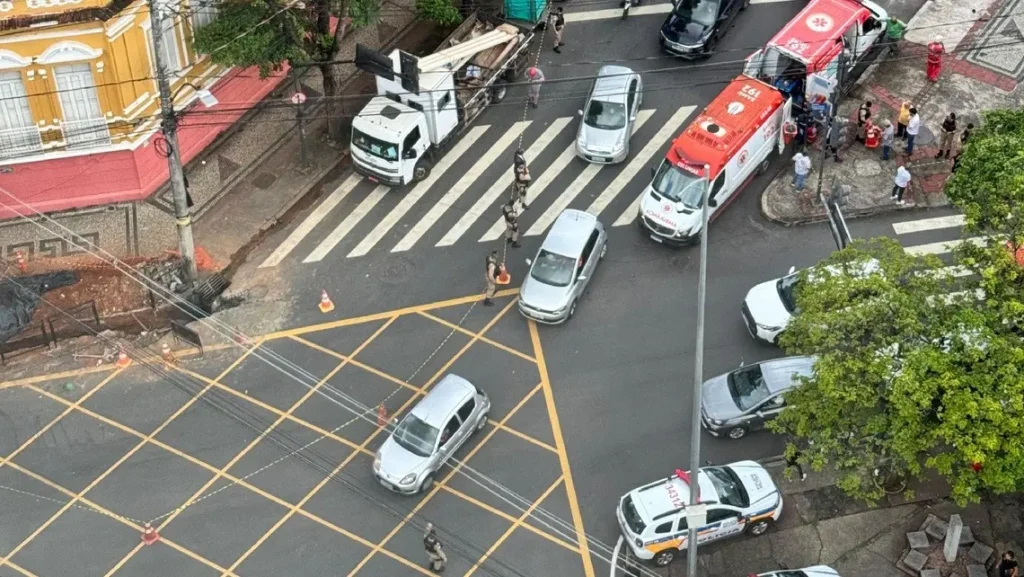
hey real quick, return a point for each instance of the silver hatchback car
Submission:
(609, 116)
(563, 267)
(746, 399)
(430, 434)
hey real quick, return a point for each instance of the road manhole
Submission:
(397, 270)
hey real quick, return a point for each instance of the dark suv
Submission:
(694, 27)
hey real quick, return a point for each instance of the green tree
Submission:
(296, 32)
(442, 12)
(905, 380)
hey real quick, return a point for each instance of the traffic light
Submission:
(369, 60)
(840, 194)
(410, 72)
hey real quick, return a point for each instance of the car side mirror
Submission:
(654, 172)
(411, 153)
(529, 262)
(579, 112)
(632, 119)
(712, 202)
(581, 278)
(760, 415)
(792, 270)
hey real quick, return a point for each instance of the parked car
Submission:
(816, 571)
(694, 27)
(429, 435)
(563, 267)
(744, 400)
(609, 116)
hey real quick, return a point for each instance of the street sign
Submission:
(298, 98)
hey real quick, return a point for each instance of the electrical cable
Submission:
(296, 371)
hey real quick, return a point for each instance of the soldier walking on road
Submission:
(536, 77)
(522, 178)
(491, 275)
(435, 553)
(511, 223)
(557, 26)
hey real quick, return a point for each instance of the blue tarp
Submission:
(526, 10)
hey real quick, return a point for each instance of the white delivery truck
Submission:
(802, 60)
(397, 134)
(734, 136)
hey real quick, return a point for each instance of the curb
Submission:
(767, 213)
(317, 179)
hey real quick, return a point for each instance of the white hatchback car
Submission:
(740, 497)
(815, 571)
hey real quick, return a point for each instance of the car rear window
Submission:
(553, 269)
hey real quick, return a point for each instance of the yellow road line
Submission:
(523, 436)
(508, 532)
(563, 456)
(379, 316)
(252, 444)
(470, 333)
(380, 546)
(103, 510)
(511, 519)
(19, 569)
(68, 410)
(78, 496)
(357, 363)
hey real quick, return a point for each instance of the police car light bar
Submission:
(684, 475)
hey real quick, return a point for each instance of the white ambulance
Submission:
(740, 498)
(734, 136)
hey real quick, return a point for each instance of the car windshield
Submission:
(632, 517)
(371, 145)
(703, 12)
(748, 387)
(678, 185)
(415, 436)
(728, 486)
(553, 269)
(787, 291)
(605, 115)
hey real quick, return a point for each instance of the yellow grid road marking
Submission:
(508, 532)
(470, 333)
(379, 547)
(556, 540)
(563, 456)
(19, 569)
(220, 473)
(78, 496)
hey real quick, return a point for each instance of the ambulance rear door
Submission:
(787, 114)
(754, 64)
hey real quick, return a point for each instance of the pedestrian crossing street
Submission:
(460, 200)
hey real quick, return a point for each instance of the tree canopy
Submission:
(906, 379)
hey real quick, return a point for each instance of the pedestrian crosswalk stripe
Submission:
(942, 247)
(643, 157)
(502, 184)
(414, 195)
(346, 226)
(569, 194)
(925, 224)
(537, 186)
(455, 192)
(629, 215)
(318, 214)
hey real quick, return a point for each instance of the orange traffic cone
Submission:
(326, 305)
(382, 415)
(122, 359)
(167, 355)
(20, 260)
(150, 536)
(503, 276)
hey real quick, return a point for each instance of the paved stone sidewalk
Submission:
(977, 75)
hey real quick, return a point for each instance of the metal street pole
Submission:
(698, 376)
(832, 124)
(300, 115)
(169, 122)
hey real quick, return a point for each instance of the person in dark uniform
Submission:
(522, 178)
(435, 552)
(511, 223)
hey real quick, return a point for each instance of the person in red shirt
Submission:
(935, 51)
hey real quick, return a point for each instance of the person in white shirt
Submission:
(802, 167)
(912, 129)
(900, 184)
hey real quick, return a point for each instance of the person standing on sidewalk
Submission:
(557, 26)
(894, 30)
(491, 275)
(888, 137)
(536, 77)
(948, 135)
(511, 223)
(935, 51)
(900, 184)
(435, 552)
(913, 127)
(801, 168)
(902, 120)
(1008, 566)
(863, 114)
(834, 140)
(966, 135)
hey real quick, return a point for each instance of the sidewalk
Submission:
(979, 72)
(822, 526)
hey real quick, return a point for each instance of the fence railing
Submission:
(88, 133)
(15, 142)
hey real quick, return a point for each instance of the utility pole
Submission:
(696, 514)
(169, 123)
(836, 97)
(299, 98)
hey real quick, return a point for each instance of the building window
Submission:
(169, 45)
(84, 125)
(203, 12)
(19, 134)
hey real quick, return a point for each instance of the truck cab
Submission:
(390, 133)
(802, 60)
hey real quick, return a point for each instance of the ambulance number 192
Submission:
(750, 93)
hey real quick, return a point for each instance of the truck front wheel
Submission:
(421, 171)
